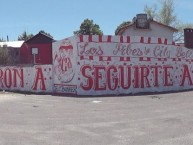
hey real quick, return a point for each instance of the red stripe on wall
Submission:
(100, 58)
(121, 39)
(162, 59)
(142, 40)
(141, 59)
(128, 59)
(104, 58)
(90, 38)
(149, 40)
(86, 57)
(159, 41)
(81, 57)
(144, 59)
(109, 38)
(189, 60)
(90, 57)
(176, 59)
(108, 58)
(81, 38)
(128, 39)
(125, 59)
(100, 38)
(121, 58)
(166, 41)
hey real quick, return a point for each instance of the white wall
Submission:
(33, 79)
(64, 66)
(154, 31)
(129, 65)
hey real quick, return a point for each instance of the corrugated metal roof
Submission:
(11, 43)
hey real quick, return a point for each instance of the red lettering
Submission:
(98, 77)
(155, 75)
(39, 78)
(125, 76)
(16, 75)
(161, 51)
(183, 53)
(111, 75)
(90, 50)
(1, 78)
(136, 77)
(89, 79)
(144, 76)
(122, 49)
(167, 76)
(186, 74)
(8, 78)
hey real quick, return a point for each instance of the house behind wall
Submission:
(143, 26)
(43, 44)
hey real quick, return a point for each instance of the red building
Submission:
(37, 50)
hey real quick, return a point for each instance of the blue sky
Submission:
(61, 17)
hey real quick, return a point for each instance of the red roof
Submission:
(42, 35)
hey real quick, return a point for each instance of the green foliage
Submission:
(166, 16)
(2, 40)
(123, 24)
(25, 36)
(166, 13)
(151, 11)
(8, 56)
(3, 56)
(88, 28)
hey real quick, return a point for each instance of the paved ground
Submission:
(165, 119)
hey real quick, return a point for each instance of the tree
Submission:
(48, 34)
(2, 40)
(166, 16)
(166, 13)
(88, 28)
(151, 11)
(25, 36)
(179, 36)
(8, 56)
(123, 24)
(3, 56)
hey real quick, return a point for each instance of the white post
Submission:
(34, 58)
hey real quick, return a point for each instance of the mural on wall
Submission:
(97, 65)
(64, 66)
(124, 64)
(33, 79)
